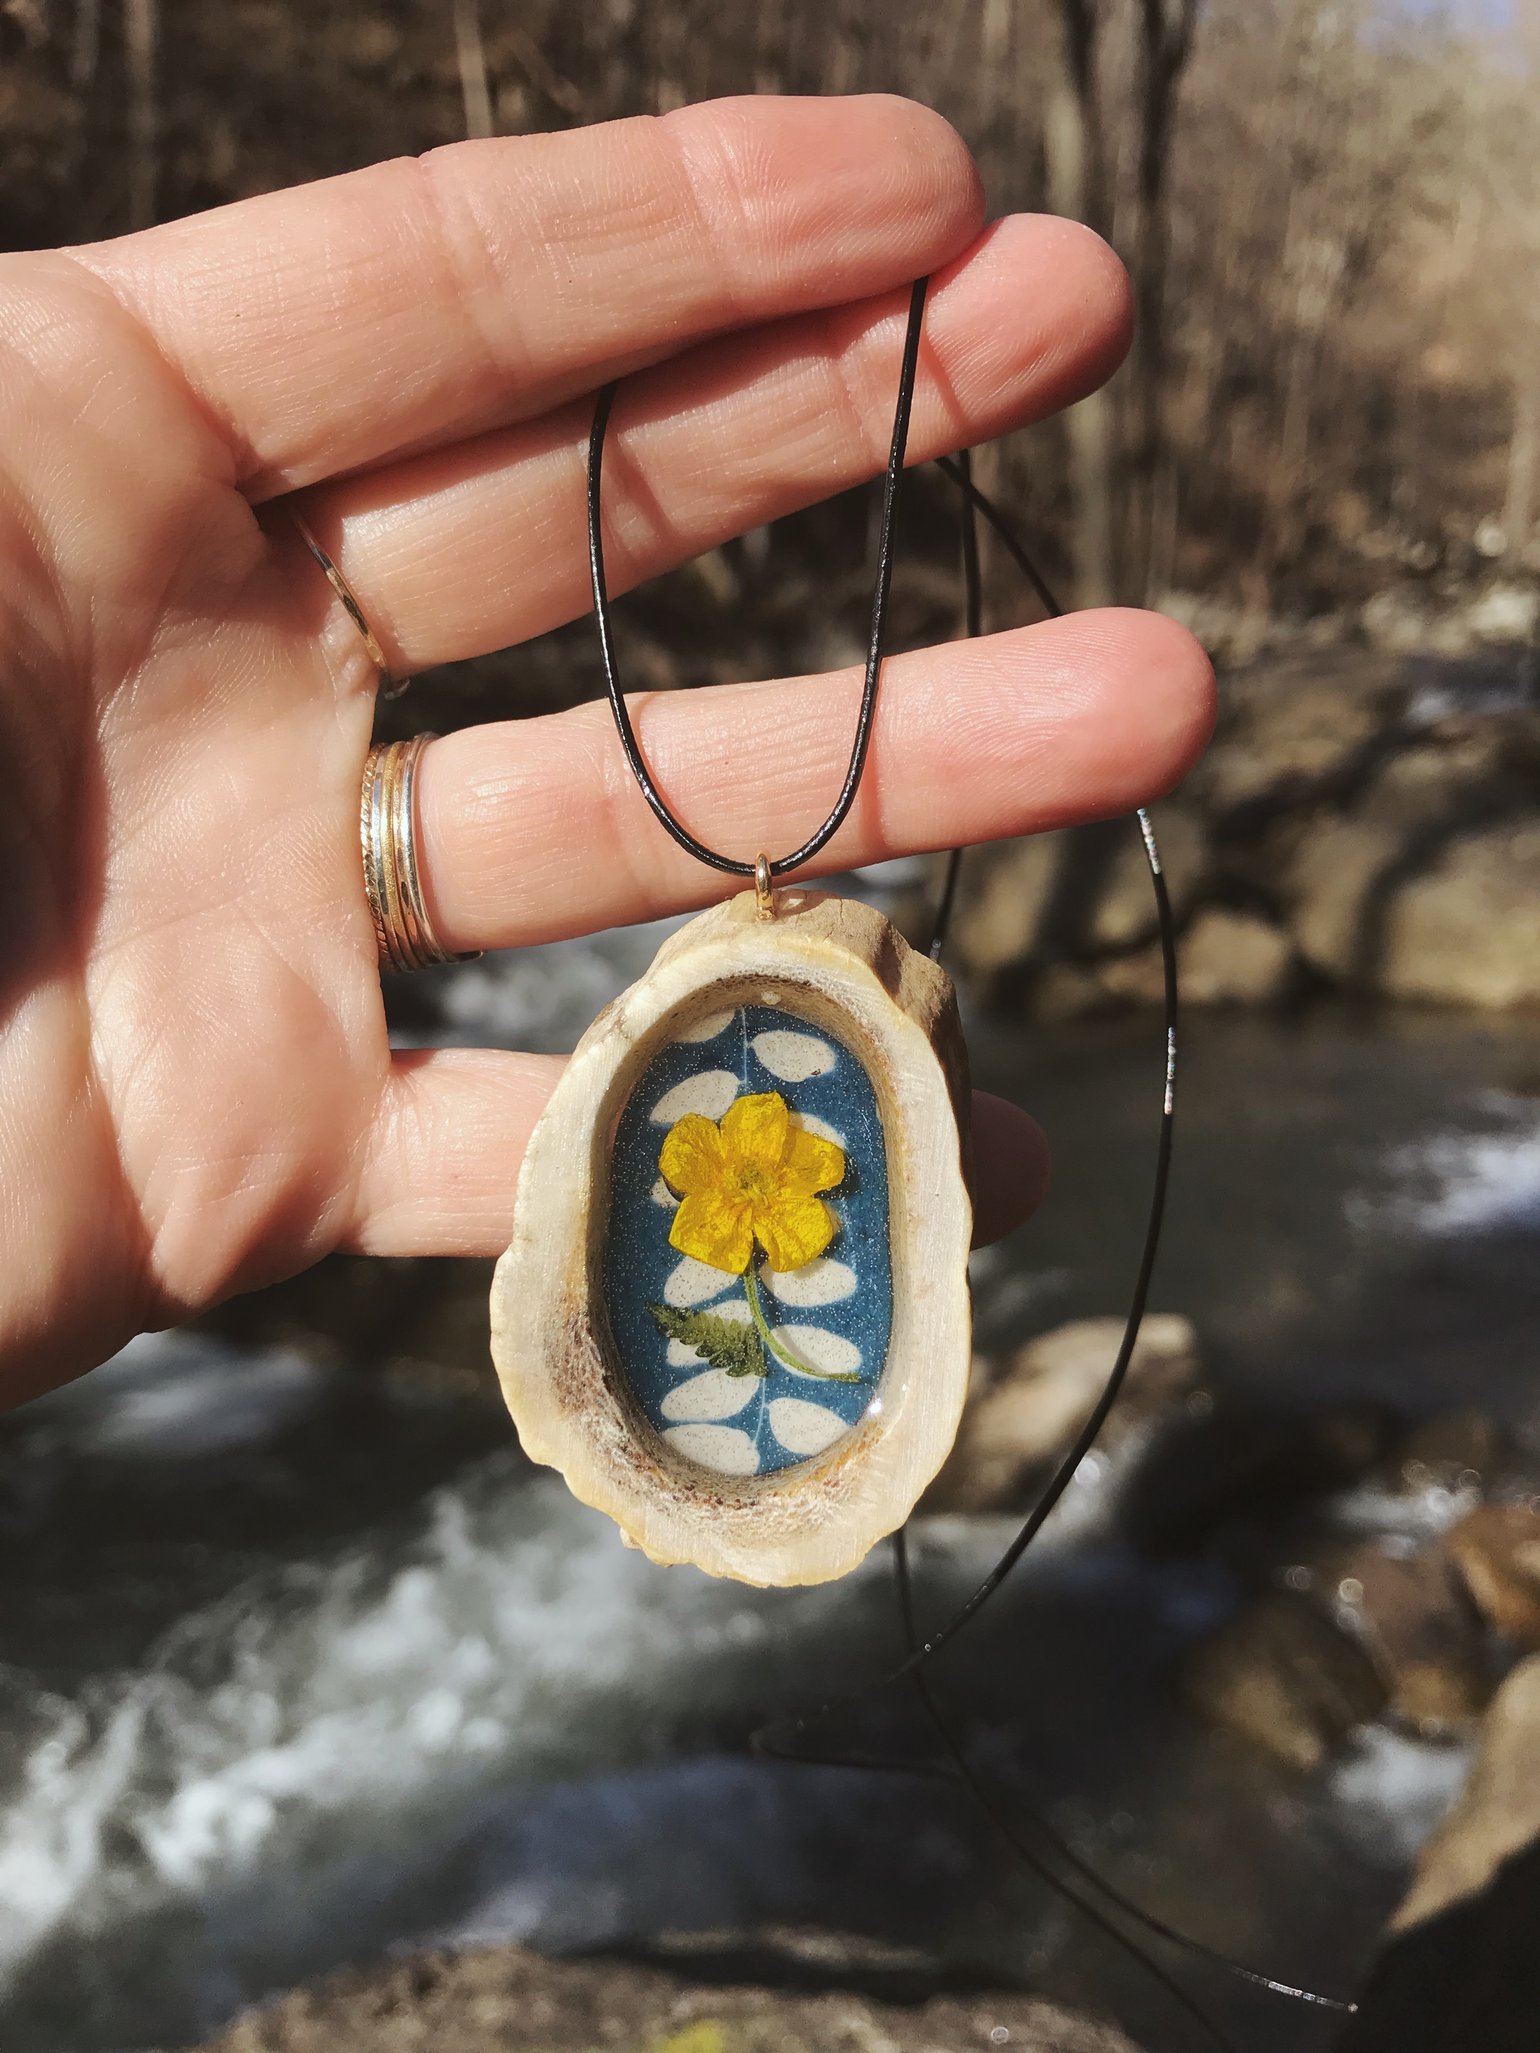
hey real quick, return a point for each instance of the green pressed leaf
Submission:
(724, 1343)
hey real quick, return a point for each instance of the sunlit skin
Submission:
(197, 1093)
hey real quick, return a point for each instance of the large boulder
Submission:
(1029, 1414)
(508, 2000)
(1497, 1550)
(1498, 1813)
(1078, 894)
(1337, 887)
(1461, 1970)
(1001, 912)
(1465, 928)
(1124, 912)
(1235, 958)
(1289, 727)
(1411, 1614)
(1282, 1676)
(1452, 920)
(1224, 958)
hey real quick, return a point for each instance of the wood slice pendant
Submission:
(735, 1310)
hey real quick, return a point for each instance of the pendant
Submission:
(735, 1311)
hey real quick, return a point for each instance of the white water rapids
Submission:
(480, 1715)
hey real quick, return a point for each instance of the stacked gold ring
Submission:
(387, 812)
(387, 823)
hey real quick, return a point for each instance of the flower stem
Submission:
(781, 1352)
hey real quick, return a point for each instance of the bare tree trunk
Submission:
(87, 43)
(772, 46)
(31, 17)
(995, 98)
(1165, 524)
(1073, 149)
(1318, 265)
(670, 43)
(1165, 46)
(1523, 461)
(140, 36)
(1080, 25)
(474, 89)
(840, 63)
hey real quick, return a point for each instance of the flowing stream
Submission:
(295, 1668)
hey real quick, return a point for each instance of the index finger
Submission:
(408, 305)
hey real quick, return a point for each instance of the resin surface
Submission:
(747, 1374)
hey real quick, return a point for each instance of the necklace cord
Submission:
(919, 1654)
(973, 627)
(779, 1740)
(963, 1771)
(779, 866)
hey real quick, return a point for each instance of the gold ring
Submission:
(764, 887)
(390, 687)
(387, 825)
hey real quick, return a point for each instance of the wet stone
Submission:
(749, 1375)
(1282, 1676)
(1235, 1466)
(1413, 1616)
(1235, 958)
(1456, 1450)
(1460, 1972)
(1498, 1812)
(507, 2000)
(1029, 1412)
(1497, 1550)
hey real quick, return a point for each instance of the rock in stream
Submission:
(508, 2000)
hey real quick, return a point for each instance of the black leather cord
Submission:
(780, 866)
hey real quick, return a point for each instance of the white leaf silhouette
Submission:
(794, 1057)
(820, 1282)
(708, 1028)
(710, 1094)
(724, 1448)
(715, 1395)
(695, 1283)
(820, 1349)
(804, 1428)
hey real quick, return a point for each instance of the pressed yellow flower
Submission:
(753, 1178)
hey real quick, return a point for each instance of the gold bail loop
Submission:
(764, 887)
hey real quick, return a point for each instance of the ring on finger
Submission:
(391, 687)
(387, 822)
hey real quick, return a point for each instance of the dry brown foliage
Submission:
(1331, 210)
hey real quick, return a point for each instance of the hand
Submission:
(196, 1090)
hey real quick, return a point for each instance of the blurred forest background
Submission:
(1331, 209)
(1323, 453)
(309, 1666)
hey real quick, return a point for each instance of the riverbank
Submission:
(1364, 823)
(303, 1663)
